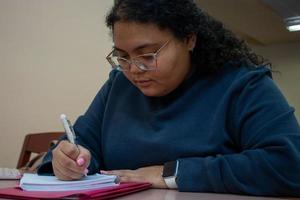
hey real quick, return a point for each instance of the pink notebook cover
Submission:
(103, 193)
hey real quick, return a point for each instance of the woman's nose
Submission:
(133, 68)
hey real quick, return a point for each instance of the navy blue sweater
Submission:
(233, 133)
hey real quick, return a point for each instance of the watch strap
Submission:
(169, 174)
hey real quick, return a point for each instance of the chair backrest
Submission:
(36, 143)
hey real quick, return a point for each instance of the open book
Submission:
(34, 182)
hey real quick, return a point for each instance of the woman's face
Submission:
(173, 61)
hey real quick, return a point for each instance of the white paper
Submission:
(34, 182)
(9, 173)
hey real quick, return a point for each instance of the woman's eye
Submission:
(124, 56)
(150, 51)
(120, 54)
(147, 58)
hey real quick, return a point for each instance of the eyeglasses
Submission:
(145, 62)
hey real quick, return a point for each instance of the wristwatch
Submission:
(170, 174)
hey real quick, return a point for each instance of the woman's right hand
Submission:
(70, 162)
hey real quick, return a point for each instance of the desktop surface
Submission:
(162, 194)
(157, 194)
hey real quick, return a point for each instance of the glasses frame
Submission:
(135, 60)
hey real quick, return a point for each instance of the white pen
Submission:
(70, 133)
(68, 129)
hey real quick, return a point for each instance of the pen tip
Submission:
(63, 116)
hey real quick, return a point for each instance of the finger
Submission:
(126, 176)
(67, 172)
(129, 179)
(119, 173)
(67, 166)
(84, 157)
(79, 165)
(122, 176)
(115, 172)
(69, 149)
(60, 175)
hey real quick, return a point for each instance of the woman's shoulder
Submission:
(113, 74)
(233, 81)
(245, 74)
(253, 82)
(117, 78)
(117, 84)
(246, 71)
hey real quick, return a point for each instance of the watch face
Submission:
(170, 169)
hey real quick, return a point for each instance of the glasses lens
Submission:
(146, 62)
(118, 63)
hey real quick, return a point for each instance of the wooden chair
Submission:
(36, 143)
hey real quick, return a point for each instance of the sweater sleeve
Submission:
(88, 131)
(267, 135)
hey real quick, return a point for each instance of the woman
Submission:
(188, 100)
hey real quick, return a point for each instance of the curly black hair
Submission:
(215, 44)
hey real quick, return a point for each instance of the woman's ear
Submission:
(191, 41)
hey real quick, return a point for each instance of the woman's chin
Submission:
(152, 92)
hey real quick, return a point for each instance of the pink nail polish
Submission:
(86, 171)
(80, 161)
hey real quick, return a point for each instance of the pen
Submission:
(70, 134)
(68, 129)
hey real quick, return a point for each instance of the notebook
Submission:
(9, 173)
(34, 182)
(102, 193)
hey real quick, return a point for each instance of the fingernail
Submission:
(103, 172)
(80, 161)
(86, 171)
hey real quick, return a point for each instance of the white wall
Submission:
(52, 61)
(285, 59)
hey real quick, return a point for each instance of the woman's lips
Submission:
(143, 83)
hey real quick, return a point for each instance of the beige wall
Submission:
(52, 61)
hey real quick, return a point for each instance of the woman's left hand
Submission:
(150, 174)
